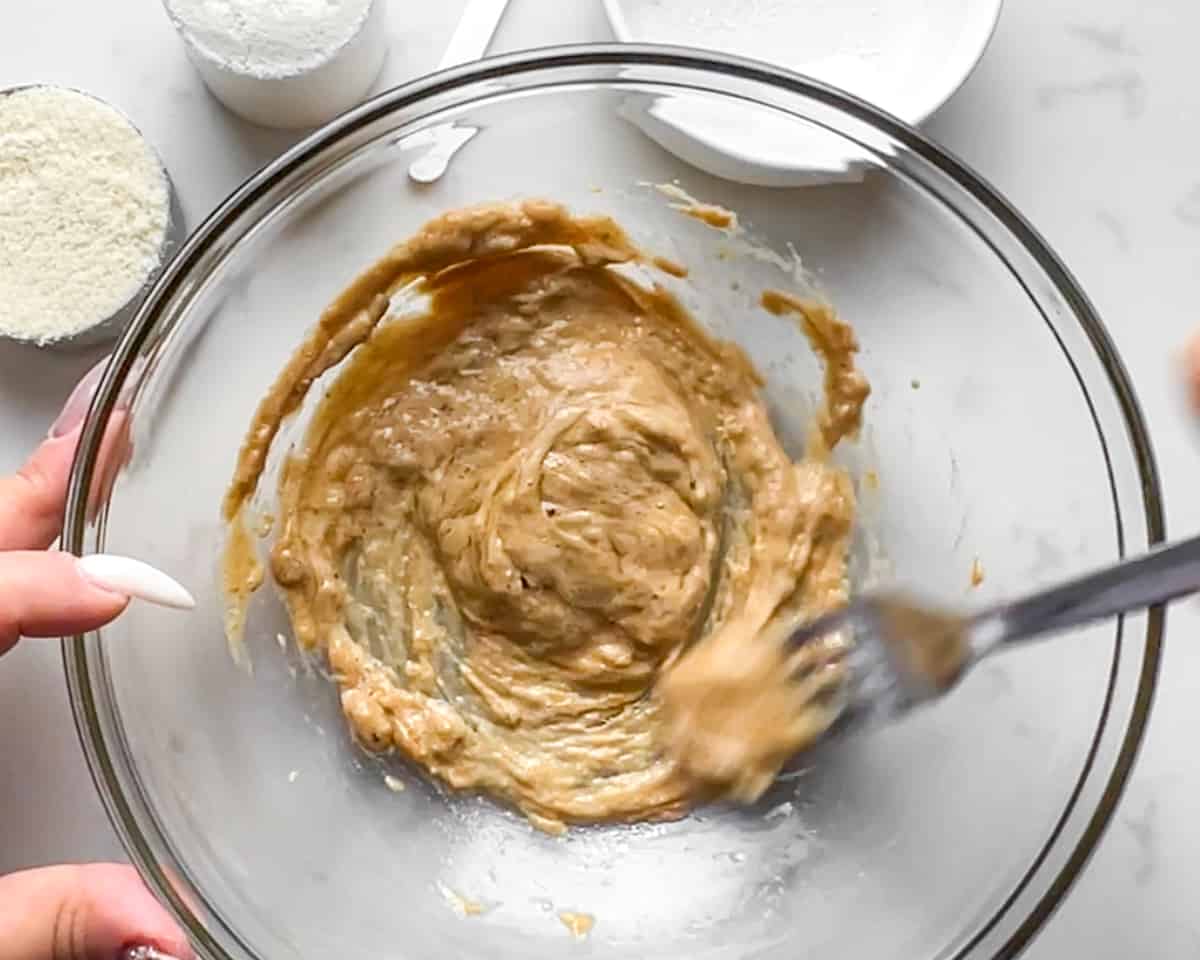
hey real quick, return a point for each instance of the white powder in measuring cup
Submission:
(284, 63)
(84, 212)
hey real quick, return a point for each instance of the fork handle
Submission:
(1163, 574)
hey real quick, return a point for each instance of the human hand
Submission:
(92, 911)
(47, 593)
(1192, 365)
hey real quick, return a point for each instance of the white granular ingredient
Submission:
(270, 38)
(84, 209)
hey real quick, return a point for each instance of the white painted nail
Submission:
(134, 579)
(144, 953)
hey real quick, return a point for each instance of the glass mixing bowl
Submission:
(1004, 440)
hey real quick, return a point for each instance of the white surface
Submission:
(284, 63)
(907, 56)
(1085, 112)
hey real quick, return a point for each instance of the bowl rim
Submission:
(175, 277)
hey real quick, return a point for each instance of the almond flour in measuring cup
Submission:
(284, 63)
(85, 208)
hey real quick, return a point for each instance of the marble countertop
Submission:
(1086, 113)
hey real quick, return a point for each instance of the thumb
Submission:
(94, 911)
(1192, 361)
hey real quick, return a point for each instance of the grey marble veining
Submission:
(1127, 86)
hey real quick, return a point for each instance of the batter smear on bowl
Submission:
(537, 525)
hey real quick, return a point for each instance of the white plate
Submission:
(905, 56)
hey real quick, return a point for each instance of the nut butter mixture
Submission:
(540, 529)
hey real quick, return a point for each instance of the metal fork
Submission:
(901, 653)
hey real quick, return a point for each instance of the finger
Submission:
(31, 501)
(88, 912)
(1192, 359)
(47, 595)
(116, 450)
(76, 407)
(116, 446)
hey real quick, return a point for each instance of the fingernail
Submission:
(145, 952)
(134, 579)
(76, 407)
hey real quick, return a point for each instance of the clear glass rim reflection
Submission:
(113, 774)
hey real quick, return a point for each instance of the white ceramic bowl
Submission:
(906, 57)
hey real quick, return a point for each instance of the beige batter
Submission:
(540, 528)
